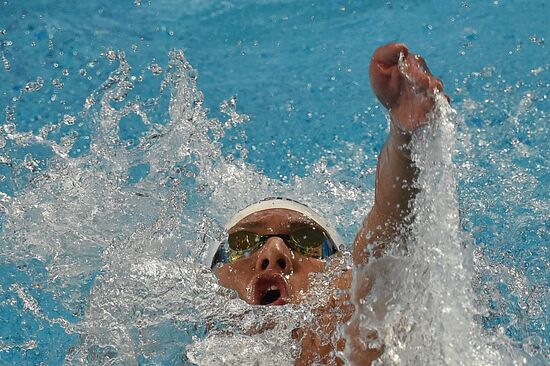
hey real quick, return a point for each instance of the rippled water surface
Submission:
(132, 130)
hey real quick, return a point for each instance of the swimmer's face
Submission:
(274, 274)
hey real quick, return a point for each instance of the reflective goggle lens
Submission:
(311, 242)
(242, 243)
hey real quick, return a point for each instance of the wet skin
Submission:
(403, 83)
(273, 264)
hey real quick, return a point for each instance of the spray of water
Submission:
(131, 222)
(122, 229)
(422, 303)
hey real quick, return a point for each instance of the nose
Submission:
(274, 255)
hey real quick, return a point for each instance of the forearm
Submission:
(394, 194)
(395, 174)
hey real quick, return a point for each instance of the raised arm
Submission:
(404, 85)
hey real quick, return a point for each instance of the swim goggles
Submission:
(309, 241)
(316, 240)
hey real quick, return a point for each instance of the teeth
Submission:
(272, 288)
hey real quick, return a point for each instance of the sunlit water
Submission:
(109, 198)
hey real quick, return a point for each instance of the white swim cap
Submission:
(270, 203)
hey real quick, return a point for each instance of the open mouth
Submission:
(270, 295)
(270, 290)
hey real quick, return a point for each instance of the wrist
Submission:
(399, 139)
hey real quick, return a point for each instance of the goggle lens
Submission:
(242, 243)
(311, 242)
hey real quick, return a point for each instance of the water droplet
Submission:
(535, 39)
(30, 163)
(290, 106)
(537, 71)
(69, 120)
(155, 69)
(58, 83)
(82, 72)
(34, 85)
(10, 116)
(90, 101)
(6, 63)
(229, 108)
(2, 142)
(111, 55)
(7, 43)
(65, 72)
(228, 105)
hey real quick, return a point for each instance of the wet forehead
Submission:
(274, 220)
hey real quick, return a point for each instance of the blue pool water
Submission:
(70, 218)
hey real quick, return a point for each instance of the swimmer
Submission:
(274, 245)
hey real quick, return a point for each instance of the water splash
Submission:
(131, 221)
(422, 304)
(122, 227)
